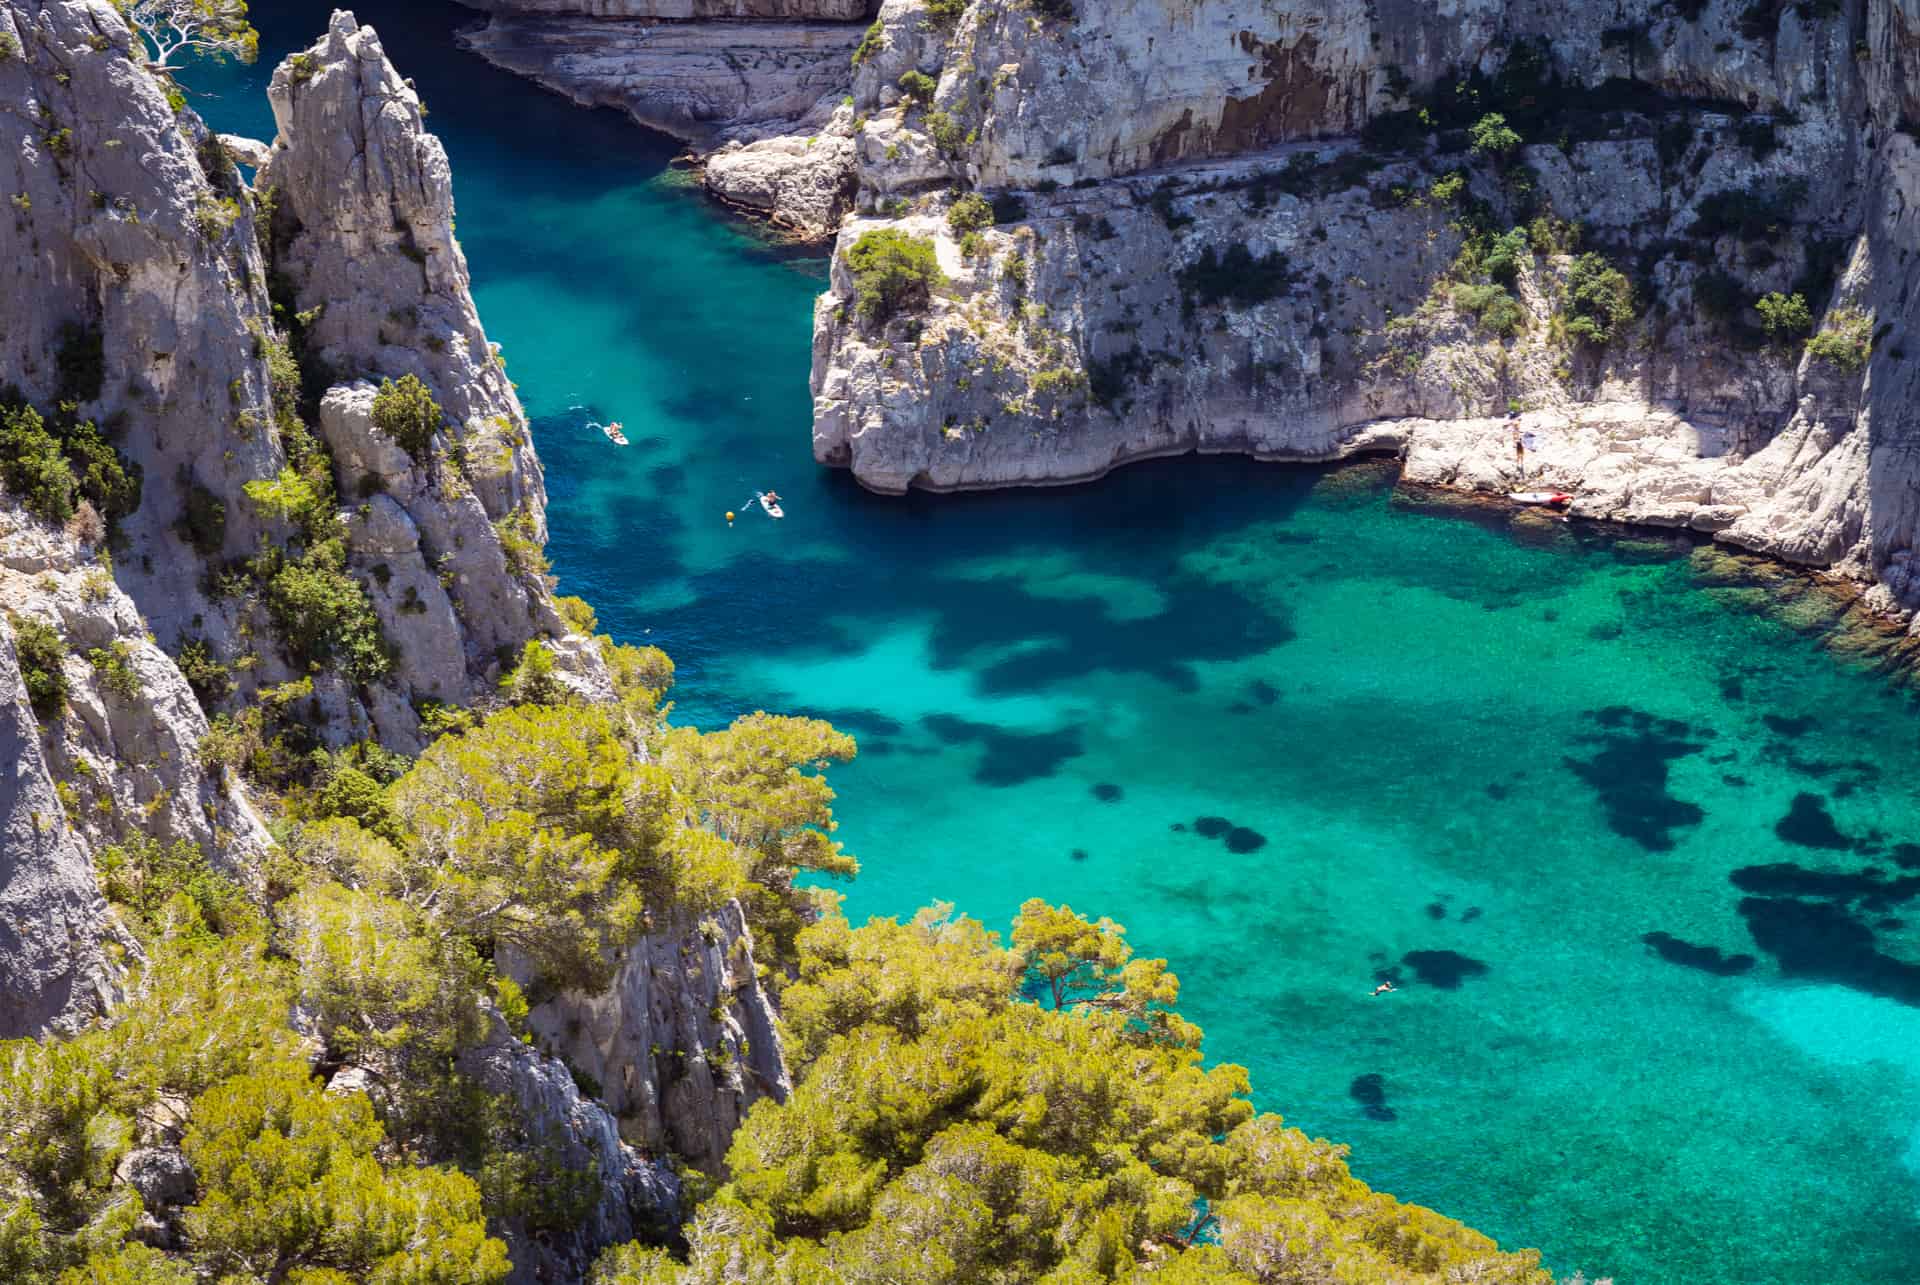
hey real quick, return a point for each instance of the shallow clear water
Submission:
(1488, 758)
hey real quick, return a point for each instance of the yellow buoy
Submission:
(729, 517)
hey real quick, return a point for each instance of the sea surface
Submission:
(1630, 843)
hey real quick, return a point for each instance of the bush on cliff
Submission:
(1784, 316)
(406, 412)
(1599, 300)
(918, 87)
(49, 467)
(42, 654)
(1845, 342)
(893, 272)
(1492, 136)
(32, 466)
(324, 615)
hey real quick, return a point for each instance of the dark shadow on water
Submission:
(1818, 941)
(1708, 959)
(1370, 1091)
(1809, 824)
(1870, 887)
(1007, 758)
(1443, 969)
(1628, 770)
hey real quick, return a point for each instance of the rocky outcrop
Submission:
(54, 929)
(803, 184)
(447, 541)
(682, 1043)
(363, 201)
(704, 82)
(634, 1198)
(1252, 249)
(681, 10)
(758, 85)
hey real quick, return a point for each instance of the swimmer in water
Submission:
(1384, 988)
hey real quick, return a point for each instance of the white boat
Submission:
(771, 505)
(1540, 497)
(614, 434)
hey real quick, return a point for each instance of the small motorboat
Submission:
(770, 501)
(1552, 498)
(614, 434)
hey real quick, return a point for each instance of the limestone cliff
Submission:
(682, 1043)
(1253, 242)
(54, 928)
(756, 85)
(363, 232)
(231, 340)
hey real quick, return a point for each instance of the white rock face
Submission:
(682, 1043)
(826, 10)
(365, 228)
(1087, 333)
(54, 927)
(699, 81)
(802, 184)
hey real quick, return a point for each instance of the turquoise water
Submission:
(1294, 731)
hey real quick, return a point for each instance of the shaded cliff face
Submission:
(1261, 247)
(759, 85)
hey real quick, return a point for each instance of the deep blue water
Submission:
(1631, 843)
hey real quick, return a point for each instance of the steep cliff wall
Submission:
(232, 342)
(757, 85)
(363, 233)
(1258, 243)
(682, 1043)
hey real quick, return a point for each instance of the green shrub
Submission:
(520, 545)
(1491, 136)
(1449, 187)
(104, 477)
(1058, 382)
(872, 43)
(212, 682)
(946, 14)
(324, 616)
(579, 615)
(406, 412)
(532, 680)
(970, 213)
(289, 496)
(113, 666)
(893, 272)
(32, 465)
(947, 133)
(1599, 299)
(1845, 342)
(41, 652)
(1784, 315)
(1504, 255)
(918, 87)
(1497, 311)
